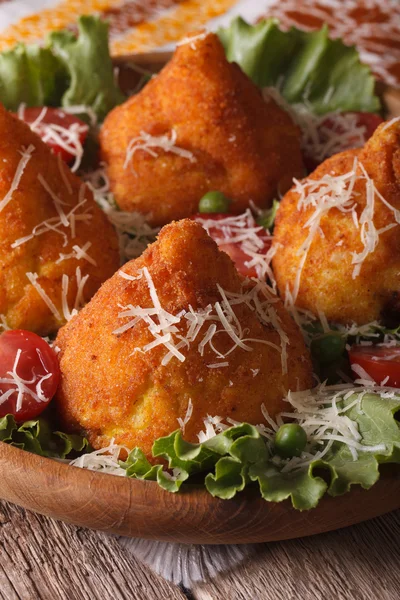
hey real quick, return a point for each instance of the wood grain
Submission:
(142, 509)
(357, 563)
(42, 559)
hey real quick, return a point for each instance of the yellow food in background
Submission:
(164, 27)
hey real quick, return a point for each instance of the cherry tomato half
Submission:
(235, 249)
(59, 129)
(369, 121)
(29, 374)
(379, 362)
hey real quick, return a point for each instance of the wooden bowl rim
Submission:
(136, 508)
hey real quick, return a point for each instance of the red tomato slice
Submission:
(29, 374)
(379, 362)
(371, 121)
(63, 132)
(336, 123)
(234, 234)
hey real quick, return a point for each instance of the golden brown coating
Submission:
(32, 206)
(327, 282)
(240, 145)
(110, 390)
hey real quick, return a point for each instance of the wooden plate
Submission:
(142, 509)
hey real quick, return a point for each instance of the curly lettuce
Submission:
(305, 66)
(240, 456)
(38, 437)
(67, 71)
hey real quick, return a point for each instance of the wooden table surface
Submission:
(42, 559)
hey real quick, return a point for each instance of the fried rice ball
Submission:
(47, 216)
(232, 140)
(112, 388)
(329, 281)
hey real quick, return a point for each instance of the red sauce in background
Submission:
(131, 14)
(371, 25)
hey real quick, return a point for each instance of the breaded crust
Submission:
(327, 281)
(240, 145)
(31, 205)
(110, 390)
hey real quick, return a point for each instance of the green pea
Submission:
(290, 440)
(328, 347)
(214, 202)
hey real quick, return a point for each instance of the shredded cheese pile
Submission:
(134, 233)
(105, 460)
(219, 316)
(67, 138)
(337, 192)
(330, 134)
(243, 231)
(373, 332)
(149, 143)
(321, 136)
(317, 411)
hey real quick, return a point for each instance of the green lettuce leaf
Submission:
(239, 456)
(267, 217)
(302, 487)
(306, 66)
(37, 436)
(68, 71)
(88, 63)
(30, 75)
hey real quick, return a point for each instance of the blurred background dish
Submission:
(136, 26)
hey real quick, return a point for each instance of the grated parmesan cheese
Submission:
(3, 323)
(213, 425)
(390, 123)
(79, 300)
(189, 411)
(33, 279)
(79, 254)
(134, 233)
(192, 39)
(26, 155)
(322, 136)
(67, 138)
(163, 325)
(63, 220)
(243, 231)
(105, 460)
(148, 143)
(62, 169)
(324, 422)
(19, 386)
(337, 192)
(82, 109)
